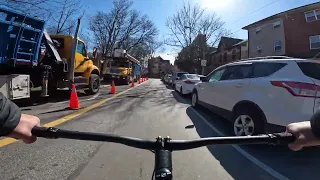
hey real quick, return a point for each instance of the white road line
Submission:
(103, 86)
(260, 164)
(93, 97)
(80, 100)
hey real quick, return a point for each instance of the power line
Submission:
(252, 13)
(255, 11)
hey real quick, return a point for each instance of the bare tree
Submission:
(63, 20)
(122, 27)
(59, 14)
(37, 8)
(145, 49)
(190, 21)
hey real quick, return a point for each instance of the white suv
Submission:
(264, 91)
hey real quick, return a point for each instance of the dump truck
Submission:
(122, 68)
(30, 58)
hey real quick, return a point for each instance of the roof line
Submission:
(278, 14)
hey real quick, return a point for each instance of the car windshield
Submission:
(120, 64)
(310, 69)
(192, 76)
(180, 74)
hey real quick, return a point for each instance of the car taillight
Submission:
(298, 88)
(188, 82)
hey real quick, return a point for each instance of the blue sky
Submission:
(235, 13)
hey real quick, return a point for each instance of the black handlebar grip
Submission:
(43, 132)
(283, 138)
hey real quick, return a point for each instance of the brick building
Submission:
(158, 66)
(229, 49)
(294, 33)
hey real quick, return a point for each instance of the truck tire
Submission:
(127, 81)
(52, 87)
(94, 84)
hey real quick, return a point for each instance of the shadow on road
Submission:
(294, 165)
(232, 161)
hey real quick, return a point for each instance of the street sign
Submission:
(203, 62)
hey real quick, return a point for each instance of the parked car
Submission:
(254, 93)
(167, 78)
(202, 77)
(186, 83)
(175, 76)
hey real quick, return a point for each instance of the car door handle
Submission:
(238, 85)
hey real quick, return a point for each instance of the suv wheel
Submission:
(194, 99)
(247, 122)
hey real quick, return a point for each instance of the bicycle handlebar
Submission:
(165, 143)
(163, 146)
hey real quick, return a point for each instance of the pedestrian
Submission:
(14, 124)
(307, 133)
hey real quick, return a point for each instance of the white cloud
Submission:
(165, 56)
(216, 5)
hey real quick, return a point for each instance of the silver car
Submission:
(175, 76)
(167, 78)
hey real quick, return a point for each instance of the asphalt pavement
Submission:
(145, 111)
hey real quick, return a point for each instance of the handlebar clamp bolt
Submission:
(159, 138)
(167, 139)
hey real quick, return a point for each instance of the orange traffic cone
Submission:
(139, 81)
(113, 88)
(74, 101)
(132, 83)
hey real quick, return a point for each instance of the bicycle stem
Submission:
(163, 160)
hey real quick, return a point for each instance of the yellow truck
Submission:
(121, 67)
(32, 59)
(86, 74)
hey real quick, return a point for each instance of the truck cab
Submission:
(85, 72)
(120, 67)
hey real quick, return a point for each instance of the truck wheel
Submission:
(94, 84)
(52, 87)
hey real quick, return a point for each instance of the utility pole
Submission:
(73, 54)
(204, 53)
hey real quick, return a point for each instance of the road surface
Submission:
(145, 111)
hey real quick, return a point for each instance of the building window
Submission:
(259, 49)
(277, 46)
(314, 42)
(312, 15)
(258, 30)
(276, 24)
